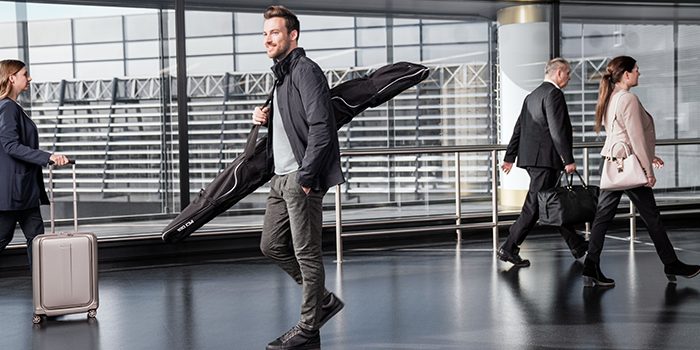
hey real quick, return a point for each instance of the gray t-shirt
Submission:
(285, 162)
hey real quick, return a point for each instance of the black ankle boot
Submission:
(592, 276)
(677, 268)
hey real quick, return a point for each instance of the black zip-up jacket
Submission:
(305, 105)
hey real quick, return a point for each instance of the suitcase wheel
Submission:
(36, 319)
(92, 313)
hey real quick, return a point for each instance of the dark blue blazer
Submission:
(21, 181)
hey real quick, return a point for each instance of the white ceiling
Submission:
(640, 10)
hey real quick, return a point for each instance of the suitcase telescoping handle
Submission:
(52, 205)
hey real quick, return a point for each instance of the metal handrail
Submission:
(485, 148)
(493, 149)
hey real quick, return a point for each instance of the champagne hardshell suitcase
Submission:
(64, 268)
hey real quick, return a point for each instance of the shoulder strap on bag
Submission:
(612, 126)
(249, 149)
(617, 105)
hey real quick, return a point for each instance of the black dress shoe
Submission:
(677, 268)
(580, 250)
(592, 276)
(512, 257)
(296, 338)
(330, 306)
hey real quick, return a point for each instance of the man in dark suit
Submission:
(542, 143)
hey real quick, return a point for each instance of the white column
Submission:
(523, 51)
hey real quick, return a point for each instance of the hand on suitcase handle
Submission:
(60, 160)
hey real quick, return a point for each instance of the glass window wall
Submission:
(451, 108)
(96, 96)
(665, 51)
(105, 82)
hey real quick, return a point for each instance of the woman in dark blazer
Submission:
(21, 181)
(633, 126)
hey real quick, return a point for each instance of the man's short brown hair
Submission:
(290, 19)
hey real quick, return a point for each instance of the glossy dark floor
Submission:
(436, 297)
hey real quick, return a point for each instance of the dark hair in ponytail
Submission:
(613, 73)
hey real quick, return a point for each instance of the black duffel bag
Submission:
(568, 205)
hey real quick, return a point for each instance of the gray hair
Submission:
(555, 64)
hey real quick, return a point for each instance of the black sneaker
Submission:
(512, 257)
(330, 305)
(296, 338)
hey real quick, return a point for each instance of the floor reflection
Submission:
(66, 332)
(677, 304)
(428, 297)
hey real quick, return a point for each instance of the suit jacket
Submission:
(543, 136)
(21, 181)
(634, 126)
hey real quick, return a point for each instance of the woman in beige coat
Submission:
(633, 126)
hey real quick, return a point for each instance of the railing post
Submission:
(458, 198)
(586, 177)
(633, 223)
(494, 197)
(338, 226)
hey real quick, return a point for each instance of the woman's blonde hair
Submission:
(7, 69)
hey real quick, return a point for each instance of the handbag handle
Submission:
(624, 145)
(570, 179)
(249, 149)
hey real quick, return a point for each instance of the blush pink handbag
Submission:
(621, 173)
